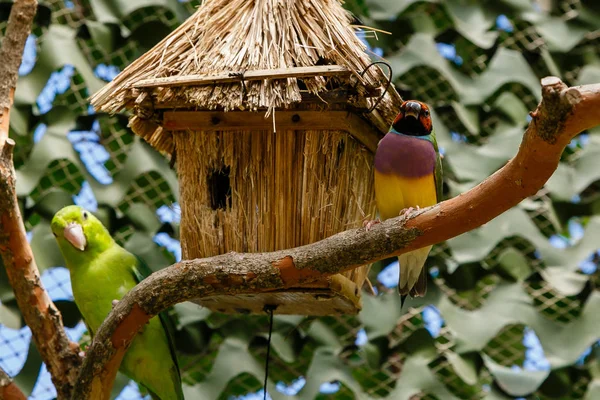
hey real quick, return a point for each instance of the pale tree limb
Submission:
(8, 389)
(40, 314)
(563, 113)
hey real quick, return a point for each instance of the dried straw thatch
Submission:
(250, 187)
(236, 36)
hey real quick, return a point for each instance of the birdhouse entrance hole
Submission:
(219, 188)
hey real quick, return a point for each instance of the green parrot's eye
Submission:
(55, 235)
(85, 215)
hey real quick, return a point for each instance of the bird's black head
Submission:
(413, 119)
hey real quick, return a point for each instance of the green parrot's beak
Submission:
(74, 235)
(413, 109)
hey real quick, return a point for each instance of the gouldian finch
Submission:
(102, 272)
(408, 173)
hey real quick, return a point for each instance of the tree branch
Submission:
(562, 114)
(8, 389)
(40, 314)
(11, 54)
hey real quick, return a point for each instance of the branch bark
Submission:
(40, 314)
(8, 389)
(11, 54)
(563, 113)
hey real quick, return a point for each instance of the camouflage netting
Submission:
(512, 309)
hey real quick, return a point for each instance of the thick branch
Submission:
(562, 114)
(40, 314)
(11, 54)
(8, 389)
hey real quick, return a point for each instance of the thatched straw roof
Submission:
(233, 36)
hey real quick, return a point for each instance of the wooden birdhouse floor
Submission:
(336, 296)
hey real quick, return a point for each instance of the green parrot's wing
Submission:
(140, 272)
(439, 182)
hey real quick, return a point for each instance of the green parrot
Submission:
(102, 272)
(408, 173)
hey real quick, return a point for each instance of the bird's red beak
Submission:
(74, 235)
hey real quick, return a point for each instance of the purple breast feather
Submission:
(405, 156)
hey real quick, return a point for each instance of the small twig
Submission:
(370, 28)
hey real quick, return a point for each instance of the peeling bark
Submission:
(562, 114)
(40, 314)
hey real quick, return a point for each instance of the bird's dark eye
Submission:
(426, 112)
(55, 235)
(85, 215)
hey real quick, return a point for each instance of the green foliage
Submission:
(491, 286)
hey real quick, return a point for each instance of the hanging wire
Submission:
(387, 86)
(269, 310)
(242, 81)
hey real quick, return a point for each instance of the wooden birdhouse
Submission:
(272, 112)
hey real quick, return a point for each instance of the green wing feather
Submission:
(140, 272)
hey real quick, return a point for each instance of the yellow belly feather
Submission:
(395, 193)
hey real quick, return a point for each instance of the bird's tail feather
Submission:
(413, 278)
(420, 287)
